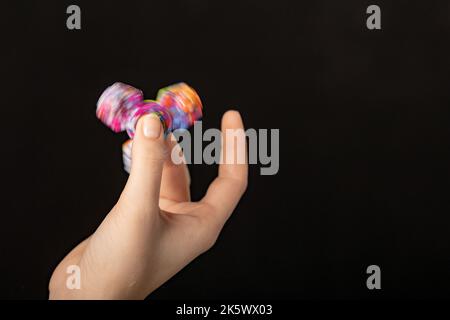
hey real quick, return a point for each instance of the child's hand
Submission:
(154, 230)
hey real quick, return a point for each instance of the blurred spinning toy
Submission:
(120, 106)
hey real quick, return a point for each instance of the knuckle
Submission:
(244, 184)
(155, 152)
(209, 232)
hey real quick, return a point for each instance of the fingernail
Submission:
(152, 126)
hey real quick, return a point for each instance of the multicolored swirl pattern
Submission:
(120, 106)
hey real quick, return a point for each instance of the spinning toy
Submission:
(120, 106)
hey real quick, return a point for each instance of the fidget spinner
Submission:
(120, 106)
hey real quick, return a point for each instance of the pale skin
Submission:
(155, 229)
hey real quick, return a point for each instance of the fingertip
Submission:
(232, 119)
(149, 126)
(232, 112)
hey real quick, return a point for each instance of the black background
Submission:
(364, 139)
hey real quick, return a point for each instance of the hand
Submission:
(154, 230)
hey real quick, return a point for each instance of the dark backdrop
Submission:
(364, 137)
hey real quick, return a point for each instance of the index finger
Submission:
(227, 189)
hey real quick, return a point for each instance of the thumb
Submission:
(148, 155)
